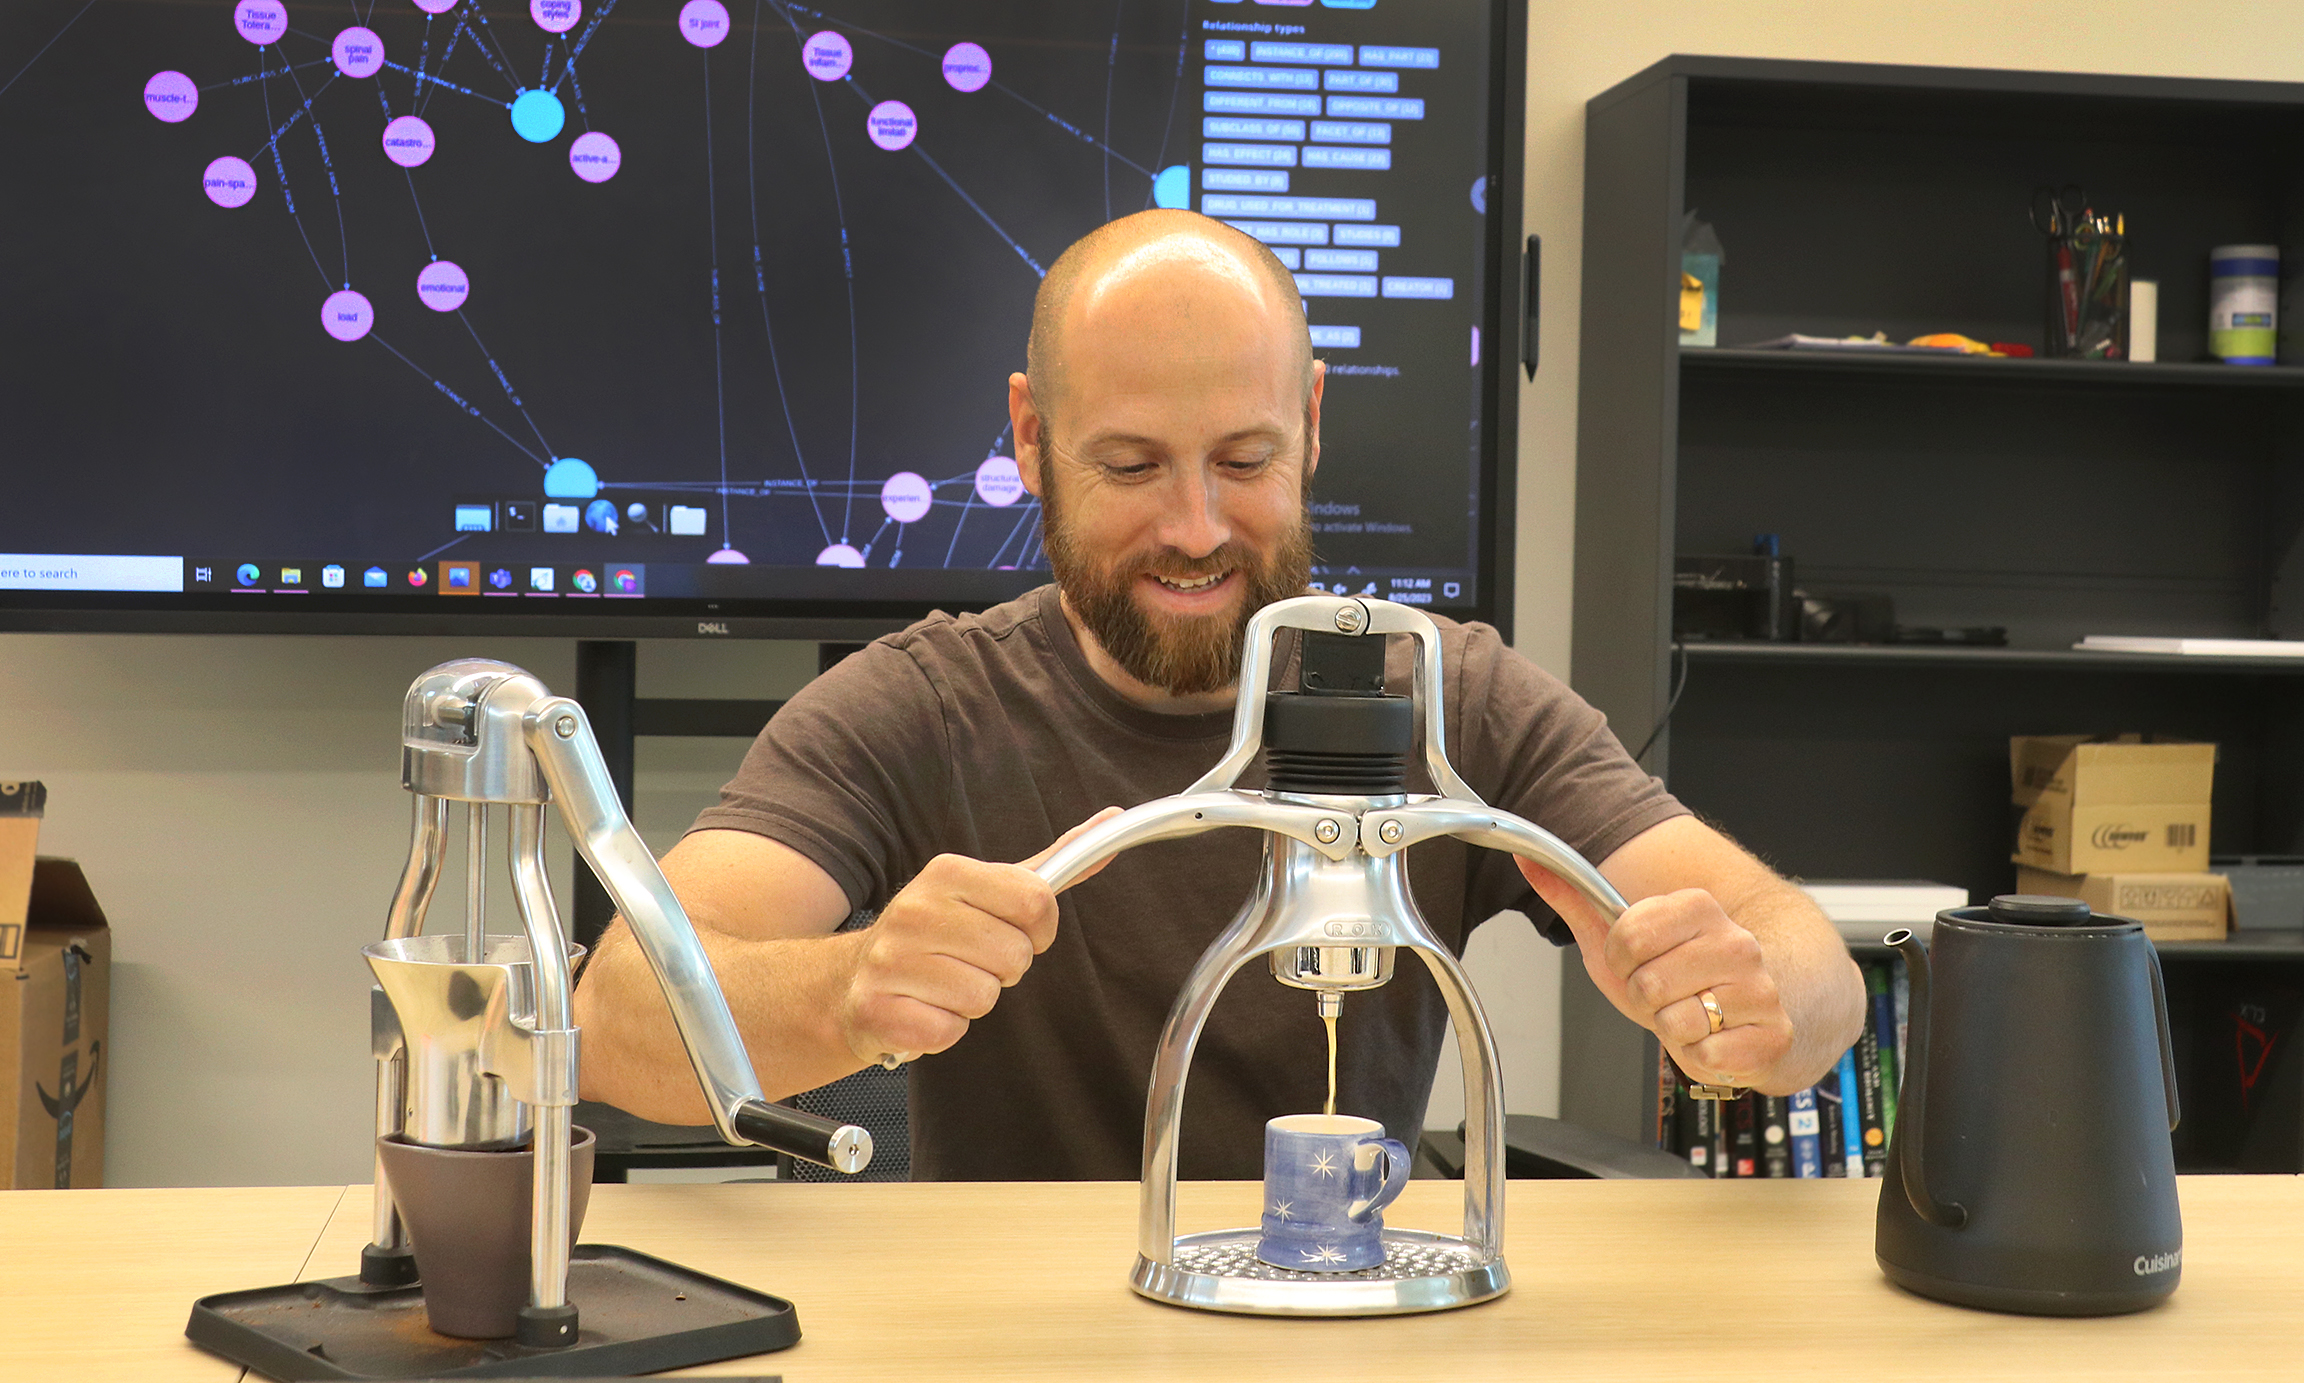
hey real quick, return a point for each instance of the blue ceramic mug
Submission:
(1327, 1179)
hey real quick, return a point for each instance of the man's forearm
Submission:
(1819, 986)
(785, 994)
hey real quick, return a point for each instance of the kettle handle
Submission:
(1911, 1115)
(2167, 1047)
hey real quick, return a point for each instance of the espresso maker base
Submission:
(638, 1315)
(1421, 1271)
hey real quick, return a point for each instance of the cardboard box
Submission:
(55, 1008)
(2172, 907)
(2117, 807)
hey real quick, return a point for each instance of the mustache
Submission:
(1175, 566)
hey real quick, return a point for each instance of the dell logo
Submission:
(711, 626)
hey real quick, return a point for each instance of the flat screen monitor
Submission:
(637, 317)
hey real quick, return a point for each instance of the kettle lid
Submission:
(2040, 910)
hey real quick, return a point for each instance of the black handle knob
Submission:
(842, 1147)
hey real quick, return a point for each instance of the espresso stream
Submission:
(1330, 1107)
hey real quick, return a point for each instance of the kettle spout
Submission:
(1911, 1110)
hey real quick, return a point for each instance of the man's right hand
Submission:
(943, 949)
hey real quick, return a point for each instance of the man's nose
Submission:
(1194, 523)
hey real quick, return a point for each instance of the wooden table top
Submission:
(1611, 1279)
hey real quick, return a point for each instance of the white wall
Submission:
(236, 801)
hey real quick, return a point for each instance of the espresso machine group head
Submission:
(477, 1049)
(1330, 909)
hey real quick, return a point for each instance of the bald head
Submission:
(1179, 258)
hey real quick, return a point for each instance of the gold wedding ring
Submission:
(1711, 1008)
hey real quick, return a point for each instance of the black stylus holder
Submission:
(476, 1075)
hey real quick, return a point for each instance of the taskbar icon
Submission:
(262, 576)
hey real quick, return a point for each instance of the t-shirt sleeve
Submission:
(853, 772)
(1540, 751)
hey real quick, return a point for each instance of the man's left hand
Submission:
(1659, 960)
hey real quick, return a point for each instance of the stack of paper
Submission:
(1866, 910)
(2195, 648)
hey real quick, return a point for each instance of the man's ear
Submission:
(1024, 424)
(1312, 418)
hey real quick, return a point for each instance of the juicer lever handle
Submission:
(560, 737)
(1333, 833)
(1391, 829)
(842, 1147)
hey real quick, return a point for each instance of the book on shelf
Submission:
(1828, 1124)
(1802, 1127)
(1869, 1099)
(1743, 1135)
(1882, 1018)
(1851, 1116)
(1775, 1138)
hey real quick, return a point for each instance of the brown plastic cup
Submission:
(467, 1215)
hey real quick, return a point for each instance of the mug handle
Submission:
(1396, 1167)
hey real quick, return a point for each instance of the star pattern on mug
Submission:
(1326, 1253)
(1286, 1210)
(1325, 1163)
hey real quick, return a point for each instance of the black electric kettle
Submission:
(2031, 1169)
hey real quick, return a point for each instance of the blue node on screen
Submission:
(1173, 188)
(569, 478)
(537, 116)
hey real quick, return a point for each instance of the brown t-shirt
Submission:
(989, 735)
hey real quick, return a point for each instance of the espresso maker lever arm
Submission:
(1334, 833)
(560, 737)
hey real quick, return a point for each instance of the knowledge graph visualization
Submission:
(707, 292)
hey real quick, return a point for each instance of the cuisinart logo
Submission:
(2146, 1265)
(2167, 897)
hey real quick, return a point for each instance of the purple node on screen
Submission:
(892, 125)
(261, 22)
(704, 23)
(827, 55)
(840, 555)
(171, 96)
(358, 52)
(347, 315)
(437, 6)
(967, 66)
(443, 285)
(229, 181)
(409, 142)
(998, 483)
(555, 16)
(594, 156)
(729, 557)
(907, 497)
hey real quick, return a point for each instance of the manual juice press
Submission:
(477, 1053)
(1330, 909)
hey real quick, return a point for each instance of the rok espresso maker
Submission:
(1330, 910)
(476, 1053)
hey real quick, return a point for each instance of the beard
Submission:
(1187, 655)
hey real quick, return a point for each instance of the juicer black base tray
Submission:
(637, 1315)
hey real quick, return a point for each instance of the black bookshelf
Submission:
(2056, 499)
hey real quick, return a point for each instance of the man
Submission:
(1169, 421)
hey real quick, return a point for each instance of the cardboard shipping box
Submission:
(2121, 807)
(55, 1004)
(2172, 907)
